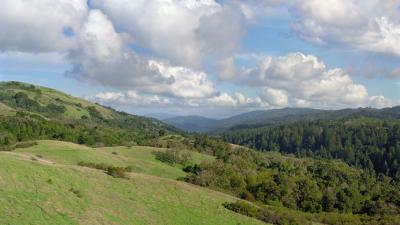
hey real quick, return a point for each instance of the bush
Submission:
(174, 156)
(263, 214)
(118, 172)
(76, 192)
(25, 144)
(114, 171)
(242, 207)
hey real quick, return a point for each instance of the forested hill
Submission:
(366, 142)
(274, 117)
(193, 123)
(29, 112)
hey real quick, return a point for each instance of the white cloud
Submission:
(179, 36)
(39, 25)
(366, 25)
(103, 57)
(236, 100)
(129, 98)
(184, 31)
(275, 97)
(219, 100)
(380, 102)
(301, 80)
(181, 82)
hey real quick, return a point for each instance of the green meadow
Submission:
(43, 185)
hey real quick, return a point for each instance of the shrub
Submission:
(242, 207)
(114, 171)
(25, 144)
(118, 172)
(174, 156)
(76, 192)
(266, 215)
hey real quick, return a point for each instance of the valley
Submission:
(71, 161)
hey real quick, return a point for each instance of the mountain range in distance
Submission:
(271, 117)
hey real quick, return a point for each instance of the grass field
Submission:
(5, 110)
(141, 159)
(52, 189)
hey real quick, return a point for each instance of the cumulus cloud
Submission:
(380, 102)
(129, 98)
(182, 30)
(103, 57)
(300, 80)
(236, 100)
(218, 100)
(177, 39)
(40, 25)
(275, 97)
(367, 25)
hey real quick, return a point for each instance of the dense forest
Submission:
(305, 184)
(275, 117)
(369, 143)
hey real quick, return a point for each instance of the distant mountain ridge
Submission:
(273, 117)
(192, 123)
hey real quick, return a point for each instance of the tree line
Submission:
(372, 144)
(309, 185)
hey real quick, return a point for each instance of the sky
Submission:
(207, 57)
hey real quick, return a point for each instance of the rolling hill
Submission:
(263, 118)
(44, 183)
(70, 161)
(32, 112)
(193, 123)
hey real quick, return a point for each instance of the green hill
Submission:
(43, 185)
(192, 123)
(30, 112)
(274, 117)
(65, 160)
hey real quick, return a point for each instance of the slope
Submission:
(51, 189)
(55, 115)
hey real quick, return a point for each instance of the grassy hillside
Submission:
(31, 112)
(140, 158)
(43, 183)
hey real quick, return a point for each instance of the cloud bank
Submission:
(159, 52)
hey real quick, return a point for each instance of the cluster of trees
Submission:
(302, 184)
(174, 156)
(281, 216)
(25, 126)
(21, 100)
(372, 144)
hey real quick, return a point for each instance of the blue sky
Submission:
(214, 58)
